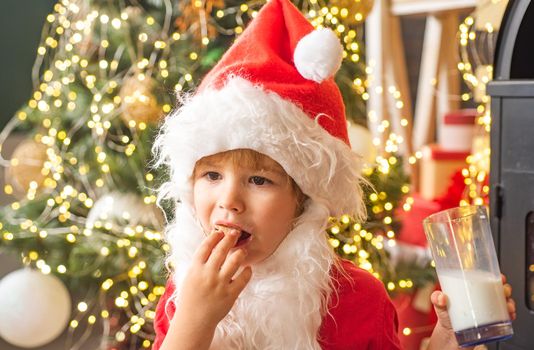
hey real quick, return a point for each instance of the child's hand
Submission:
(210, 288)
(439, 299)
(209, 291)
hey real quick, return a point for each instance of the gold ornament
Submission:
(138, 102)
(356, 10)
(195, 18)
(26, 166)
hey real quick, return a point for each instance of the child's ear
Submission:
(301, 201)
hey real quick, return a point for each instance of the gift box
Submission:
(436, 168)
(457, 130)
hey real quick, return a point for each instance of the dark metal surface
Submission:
(512, 163)
(510, 58)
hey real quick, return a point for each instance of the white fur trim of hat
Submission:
(241, 115)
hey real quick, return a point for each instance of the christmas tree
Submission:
(85, 207)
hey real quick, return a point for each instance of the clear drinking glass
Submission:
(468, 271)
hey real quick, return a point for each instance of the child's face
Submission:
(259, 200)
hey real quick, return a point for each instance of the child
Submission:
(259, 160)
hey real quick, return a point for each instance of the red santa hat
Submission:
(282, 52)
(272, 92)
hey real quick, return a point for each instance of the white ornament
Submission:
(361, 142)
(318, 55)
(125, 208)
(34, 308)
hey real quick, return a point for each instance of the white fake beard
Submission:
(283, 305)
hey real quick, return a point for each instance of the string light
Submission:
(71, 85)
(476, 68)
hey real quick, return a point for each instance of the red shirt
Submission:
(361, 315)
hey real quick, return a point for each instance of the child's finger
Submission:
(510, 304)
(503, 278)
(206, 247)
(221, 250)
(232, 264)
(507, 290)
(439, 299)
(241, 280)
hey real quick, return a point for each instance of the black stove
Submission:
(512, 164)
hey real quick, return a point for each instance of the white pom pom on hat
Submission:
(318, 55)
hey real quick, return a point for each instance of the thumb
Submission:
(439, 300)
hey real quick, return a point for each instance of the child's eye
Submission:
(259, 180)
(212, 175)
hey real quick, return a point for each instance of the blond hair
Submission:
(248, 158)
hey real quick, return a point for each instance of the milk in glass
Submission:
(475, 298)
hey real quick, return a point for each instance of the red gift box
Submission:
(436, 169)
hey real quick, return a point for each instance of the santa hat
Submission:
(272, 92)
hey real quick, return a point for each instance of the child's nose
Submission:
(231, 199)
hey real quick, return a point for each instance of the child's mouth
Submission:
(244, 236)
(243, 239)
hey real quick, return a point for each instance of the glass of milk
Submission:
(468, 271)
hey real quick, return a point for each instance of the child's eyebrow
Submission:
(208, 164)
(272, 170)
(259, 167)
(203, 166)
